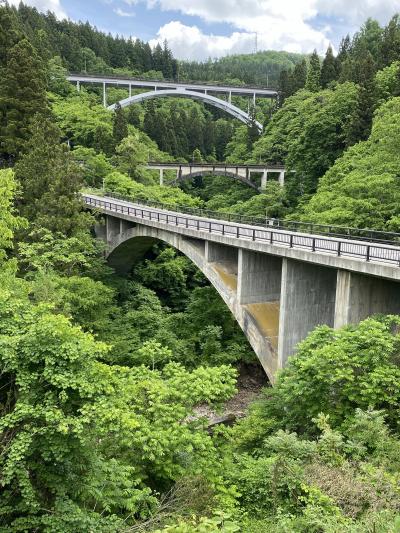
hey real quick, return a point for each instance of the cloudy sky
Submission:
(198, 29)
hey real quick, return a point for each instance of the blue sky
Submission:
(198, 29)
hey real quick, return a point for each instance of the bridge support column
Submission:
(161, 176)
(264, 180)
(104, 95)
(307, 299)
(78, 86)
(113, 227)
(259, 277)
(282, 178)
(359, 296)
(130, 91)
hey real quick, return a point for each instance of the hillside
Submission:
(261, 68)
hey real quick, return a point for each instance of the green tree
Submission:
(350, 193)
(50, 181)
(22, 95)
(329, 69)
(9, 221)
(130, 154)
(313, 81)
(120, 124)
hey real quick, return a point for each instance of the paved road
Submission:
(360, 250)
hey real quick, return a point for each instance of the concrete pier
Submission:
(359, 296)
(307, 300)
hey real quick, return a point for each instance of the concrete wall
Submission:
(359, 296)
(259, 277)
(307, 300)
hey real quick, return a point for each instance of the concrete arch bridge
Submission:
(279, 285)
(164, 89)
(242, 173)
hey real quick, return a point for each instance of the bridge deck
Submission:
(163, 84)
(214, 166)
(359, 256)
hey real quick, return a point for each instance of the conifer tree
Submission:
(313, 82)
(120, 124)
(361, 121)
(298, 77)
(284, 86)
(50, 181)
(329, 68)
(252, 130)
(22, 95)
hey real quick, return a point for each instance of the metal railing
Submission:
(331, 246)
(383, 237)
(219, 84)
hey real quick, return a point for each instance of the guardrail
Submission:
(332, 246)
(117, 77)
(369, 235)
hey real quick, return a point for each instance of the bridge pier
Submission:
(359, 296)
(161, 176)
(264, 179)
(308, 294)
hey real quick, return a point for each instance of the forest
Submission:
(105, 379)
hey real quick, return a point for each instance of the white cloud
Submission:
(44, 6)
(121, 13)
(189, 42)
(279, 24)
(356, 12)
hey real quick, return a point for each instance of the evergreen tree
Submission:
(390, 46)
(120, 124)
(252, 130)
(9, 34)
(22, 95)
(284, 86)
(313, 82)
(298, 77)
(50, 181)
(361, 121)
(329, 68)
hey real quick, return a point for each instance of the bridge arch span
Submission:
(127, 245)
(194, 95)
(200, 174)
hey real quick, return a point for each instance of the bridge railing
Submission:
(288, 225)
(345, 248)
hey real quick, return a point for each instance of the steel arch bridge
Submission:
(184, 93)
(161, 89)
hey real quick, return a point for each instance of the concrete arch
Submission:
(127, 245)
(183, 93)
(200, 174)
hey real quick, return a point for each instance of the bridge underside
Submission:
(203, 174)
(183, 93)
(276, 300)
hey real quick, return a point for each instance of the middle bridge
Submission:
(255, 176)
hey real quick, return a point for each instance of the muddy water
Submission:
(266, 315)
(226, 276)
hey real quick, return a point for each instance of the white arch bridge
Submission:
(165, 89)
(278, 284)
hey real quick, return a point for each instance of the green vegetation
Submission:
(104, 378)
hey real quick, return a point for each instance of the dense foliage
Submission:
(104, 379)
